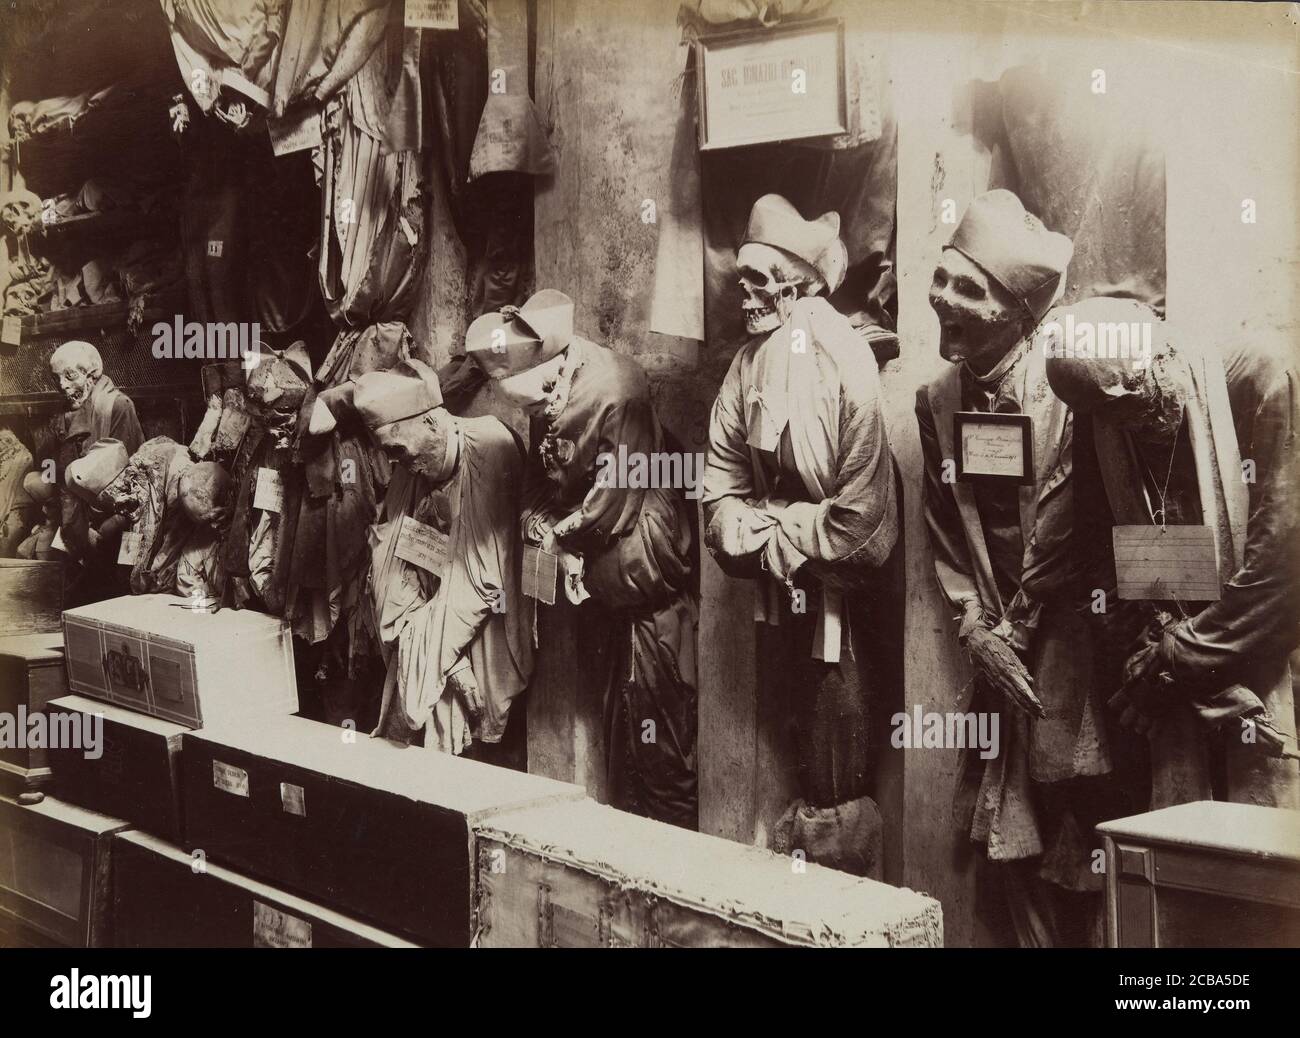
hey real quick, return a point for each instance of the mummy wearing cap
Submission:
(800, 497)
(1160, 437)
(1003, 557)
(627, 544)
(444, 576)
(98, 528)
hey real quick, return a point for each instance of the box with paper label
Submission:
(161, 656)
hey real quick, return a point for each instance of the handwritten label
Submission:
(214, 248)
(1162, 563)
(269, 493)
(297, 131)
(229, 779)
(421, 545)
(129, 553)
(540, 571)
(273, 928)
(993, 445)
(293, 799)
(11, 331)
(432, 14)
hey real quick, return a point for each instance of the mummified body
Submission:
(625, 552)
(800, 495)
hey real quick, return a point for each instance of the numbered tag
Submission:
(1162, 563)
(11, 331)
(540, 571)
(129, 553)
(432, 14)
(273, 928)
(229, 779)
(269, 492)
(421, 545)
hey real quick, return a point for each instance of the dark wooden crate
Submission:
(137, 773)
(374, 830)
(166, 898)
(31, 674)
(55, 871)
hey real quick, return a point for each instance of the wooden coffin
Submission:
(55, 871)
(582, 875)
(31, 674)
(133, 773)
(374, 830)
(157, 655)
(164, 897)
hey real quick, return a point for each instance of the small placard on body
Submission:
(1170, 562)
(422, 545)
(993, 446)
(541, 569)
(269, 493)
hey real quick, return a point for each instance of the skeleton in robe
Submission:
(98, 411)
(800, 495)
(1163, 437)
(1006, 562)
(626, 551)
(456, 642)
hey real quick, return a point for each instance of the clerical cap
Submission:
(404, 391)
(516, 339)
(774, 221)
(1014, 248)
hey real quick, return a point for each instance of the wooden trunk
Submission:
(166, 898)
(378, 831)
(137, 773)
(579, 875)
(155, 654)
(31, 674)
(55, 869)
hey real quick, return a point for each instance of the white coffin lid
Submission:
(464, 786)
(745, 884)
(170, 616)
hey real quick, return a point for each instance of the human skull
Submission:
(19, 211)
(772, 281)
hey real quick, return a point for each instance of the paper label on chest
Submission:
(994, 446)
(1162, 563)
(422, 545)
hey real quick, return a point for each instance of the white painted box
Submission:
(156, 654)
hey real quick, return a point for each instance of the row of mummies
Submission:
(1103, 712)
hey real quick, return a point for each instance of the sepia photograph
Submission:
(712, 474)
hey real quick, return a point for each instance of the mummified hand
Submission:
(1001, 667)
(465, 688)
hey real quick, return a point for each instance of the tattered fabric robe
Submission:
(800, 462)
(636, 545)
(431, 627)
(1005, 554)
(1233, 655)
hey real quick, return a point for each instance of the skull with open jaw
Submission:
(772, 280)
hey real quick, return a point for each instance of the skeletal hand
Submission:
(1002, 668)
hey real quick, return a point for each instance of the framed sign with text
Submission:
(996, 447)
(760, 85)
